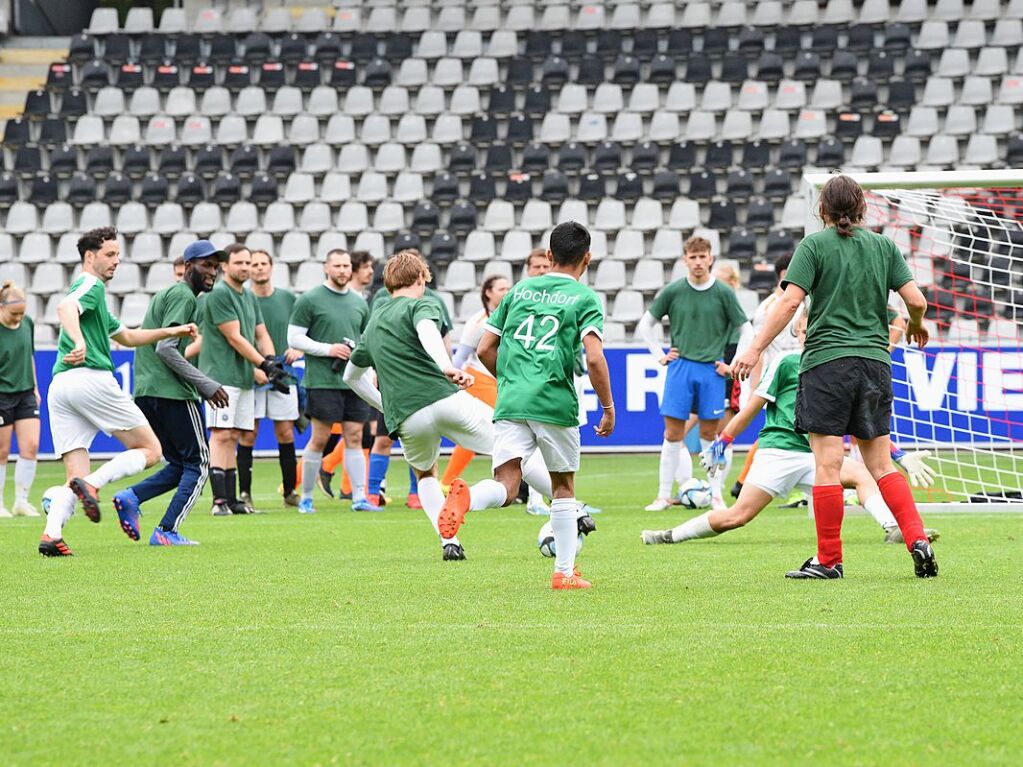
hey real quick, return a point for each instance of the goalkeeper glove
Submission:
(713, 458)
(920, 474)
(275, 374)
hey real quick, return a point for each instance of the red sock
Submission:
(899, 498)
(828, 510)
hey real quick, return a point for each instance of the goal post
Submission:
(961, 398)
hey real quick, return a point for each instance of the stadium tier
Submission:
(470, 129)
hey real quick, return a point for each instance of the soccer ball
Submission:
(48, 497)
(695, 494)
(545, 541)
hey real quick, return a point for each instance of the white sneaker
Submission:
(659, 504)
(4, 513)
(538, 509)
(651, 537)
(24, 509)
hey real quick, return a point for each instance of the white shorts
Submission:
(462, 418)
(559, 445)
(268, 403)
(777, 472)
(83, 402)
(237, 415)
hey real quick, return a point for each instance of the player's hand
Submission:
(260, 377)
(340, 351)
(460, 378)
(713, 458)
(219, 399)
(607, 423)
(917, 334)
(743, 365)
(290, 355)
(920, 474)
(723, 370)
(189, 329)
(671, 356)
(76, 356)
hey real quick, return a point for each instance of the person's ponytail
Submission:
(842, 204)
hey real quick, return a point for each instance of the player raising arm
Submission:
(845, 384)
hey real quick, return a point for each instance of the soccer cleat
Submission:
(659, 504)
(365, 505)
(161, 537)
(88, 495)
(453, 552)
(736, 489)
(587, 509)
(452, 515)
(795, 500)
(413, 502)
(238, 506)
(53, 547)
(562, 582)
(343, 496)
(23, 509)
(585, 524)
(126, 504)
(924, 563)
(651, 537)
(811, 570)
(305, 506)
(377, 499)
(323, 479)
(4, 513)
(894, 535)
(292, 499)
(538, 509)
(221, 509)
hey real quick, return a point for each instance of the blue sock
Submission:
(413, 483)
(377, 471)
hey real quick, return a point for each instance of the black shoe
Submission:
(736, 489)
(53, 547)
(818, 571)
(453, 552)
(220, 509)
(586, 524)
(240, 507)
(924, 563)
(323, 482)
(342, 496)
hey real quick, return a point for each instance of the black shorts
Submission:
(18, 406)
(374, 426)
(850, 395)
(335, 406)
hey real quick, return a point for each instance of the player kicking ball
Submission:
(782, 463)
(530, 345)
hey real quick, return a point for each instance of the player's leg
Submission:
(243, 460)
(559, 447)
(187, 445)
(355, 465)
(284, 431)
(676, 404)
(710, 407)
(379, 462)
(27, 432)
(6, 432)
(855, 475)
(312, 455)
(457, 463)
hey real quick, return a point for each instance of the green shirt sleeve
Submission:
(429, 310)
(898, 271)
(178, 310)
(219, 309)
(92, 298)
(768, 388)
(802, 271)
(361, 357)
(591, 317)
(662, 302)
(498, 317)
(259, 312)
(114, 325)
(300, 316)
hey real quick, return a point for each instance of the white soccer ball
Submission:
(48, 497)
(545, 541)
(695, 494)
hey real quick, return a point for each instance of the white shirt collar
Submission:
(704, 286)
(326, 284)
(560, 274)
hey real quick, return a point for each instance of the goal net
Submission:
(961, 398)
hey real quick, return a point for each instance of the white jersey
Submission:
(785, 341)
(471, 335)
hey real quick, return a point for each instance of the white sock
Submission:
(311, 461)
(684, 472)
(670, 456)
(697, 527)
(536, 498)
(877, 508)
(432, 498)
(355, 466)
(24, 476)
(534, 471)
(120, 466)
(3, 481)
(487, 494)
(62, 506)
(563, 516)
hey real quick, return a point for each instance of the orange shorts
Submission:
(484, 388)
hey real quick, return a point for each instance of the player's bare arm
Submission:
(916, 303)
(778, 318)
(487, 351)
(600, 379)
(133, 337)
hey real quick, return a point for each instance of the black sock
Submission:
(289, 472)
(230, 483)
(218, 483)
(332, 441)
(245, 468)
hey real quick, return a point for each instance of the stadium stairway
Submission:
(24, 62)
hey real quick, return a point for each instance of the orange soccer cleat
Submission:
(562, 582)
(88, 495)
(53, 547)
(452, 516)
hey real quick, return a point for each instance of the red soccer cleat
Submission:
(562, 582)
(452, 516)
(88, 495)
(413, 501)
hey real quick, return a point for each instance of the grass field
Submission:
(343, 638)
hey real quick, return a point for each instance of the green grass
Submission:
(343, 639)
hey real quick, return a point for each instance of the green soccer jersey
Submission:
(16, 351)
(541, 322)
(174, 305)
(276, 309)
(702, 321)
(96, 322)
(778, 387)
(218, 359)
(382, 296)
(408, 378)
(330, 317)
(848, 280)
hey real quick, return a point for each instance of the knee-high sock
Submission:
(120, 466)
(218, 483)
(563, 524)
(669, 465)
(413, 482)
(310, 467)
(697, 527)
(231, 484)
(432, 498)
(62, 506)
(3, 481)
(748, 462)
(377, 471)
(899, 498)
(244, 454)
(828, 510)
(684, 472)
(487, 494)
(460, 459)
(335, 458)
(289, 468)
(355, 464)
(876, 507)
(535, 472)
(24, 476)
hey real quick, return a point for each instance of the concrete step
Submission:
(30, 56)
(36, 42)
